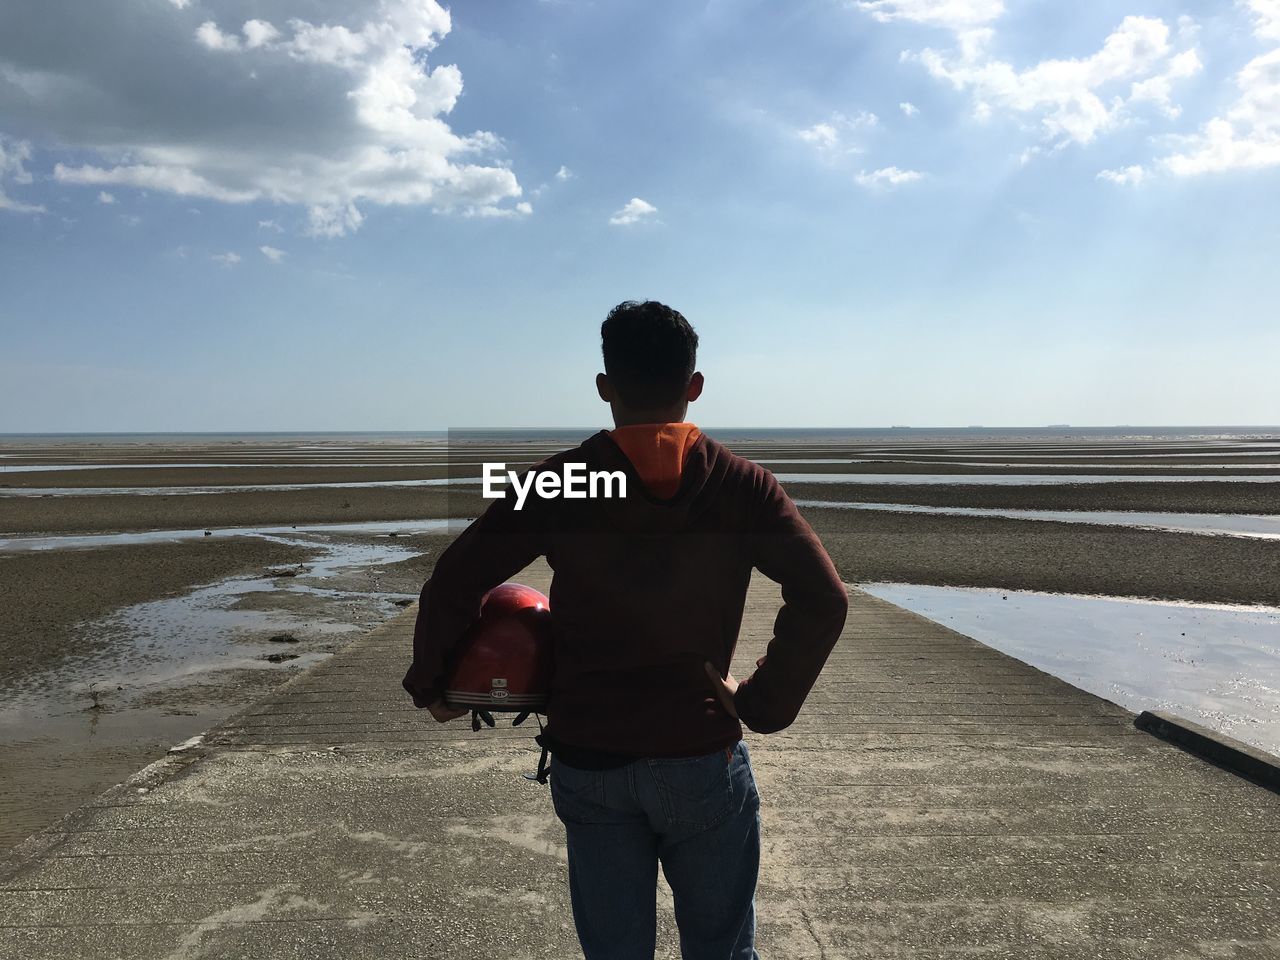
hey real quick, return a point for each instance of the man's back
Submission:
(645, 592)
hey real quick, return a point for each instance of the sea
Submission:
(1050, 433)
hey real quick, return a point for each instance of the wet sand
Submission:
(160, 476)
(1193, 497)
(112, 513)
(45, 596)
(55, 760)
(1050, 557)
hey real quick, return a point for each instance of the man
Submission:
(645, 721)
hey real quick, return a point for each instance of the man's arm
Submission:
(499, 544)
(814, 606)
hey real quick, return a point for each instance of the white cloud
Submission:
(333, 117)
(635, 211)
(327, 220)
(1266, 18)
(228, 259)
(273, 254)
(210, 36)
(1247, 137)
(14, 155)
(1126, 176)
(1074, 100)
(956, 14)
(17, 206)
(563, 175)
(521, 209)
(168, 179)
(1158, 89)
(821, 135)
(258, 33)
(1068, 95)
(888, 177)
(270, 225)
(832, 136)
(908, 108)
(181, 4)
(107, 198)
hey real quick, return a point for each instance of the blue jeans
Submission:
(697, 816)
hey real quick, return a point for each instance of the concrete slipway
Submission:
(935, 799)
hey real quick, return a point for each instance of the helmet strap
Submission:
(544, 770)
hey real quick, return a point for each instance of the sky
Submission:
(396, 215)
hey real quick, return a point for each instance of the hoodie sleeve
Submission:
(498, 545)
(815, 603)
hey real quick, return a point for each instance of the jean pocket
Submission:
(577, 795)
(695, 791)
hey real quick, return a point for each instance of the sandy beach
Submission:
(112, 650)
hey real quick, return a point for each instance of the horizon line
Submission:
(495, 429)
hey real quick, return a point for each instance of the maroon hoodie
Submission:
(644, 592)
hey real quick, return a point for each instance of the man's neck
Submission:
(632, 418)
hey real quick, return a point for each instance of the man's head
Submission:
(650, 355)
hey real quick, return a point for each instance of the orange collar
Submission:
(658, 452)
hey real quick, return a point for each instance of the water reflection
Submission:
(1215, 664)
(1005, 479)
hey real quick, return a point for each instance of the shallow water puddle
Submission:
(1119, 468)
(1214, 664)
(177, 640)
(248, 465)
(948, 456)
(1028, 479)
(1251, 526)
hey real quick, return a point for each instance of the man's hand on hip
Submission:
(725, 687)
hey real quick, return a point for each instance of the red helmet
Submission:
(504, 660)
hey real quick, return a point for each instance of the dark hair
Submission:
(650, 352)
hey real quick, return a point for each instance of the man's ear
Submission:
(696, 383)
(605, 388)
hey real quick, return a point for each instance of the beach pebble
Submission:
(280, 657)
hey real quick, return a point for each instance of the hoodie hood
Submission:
(641, 511)
(658, 452)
